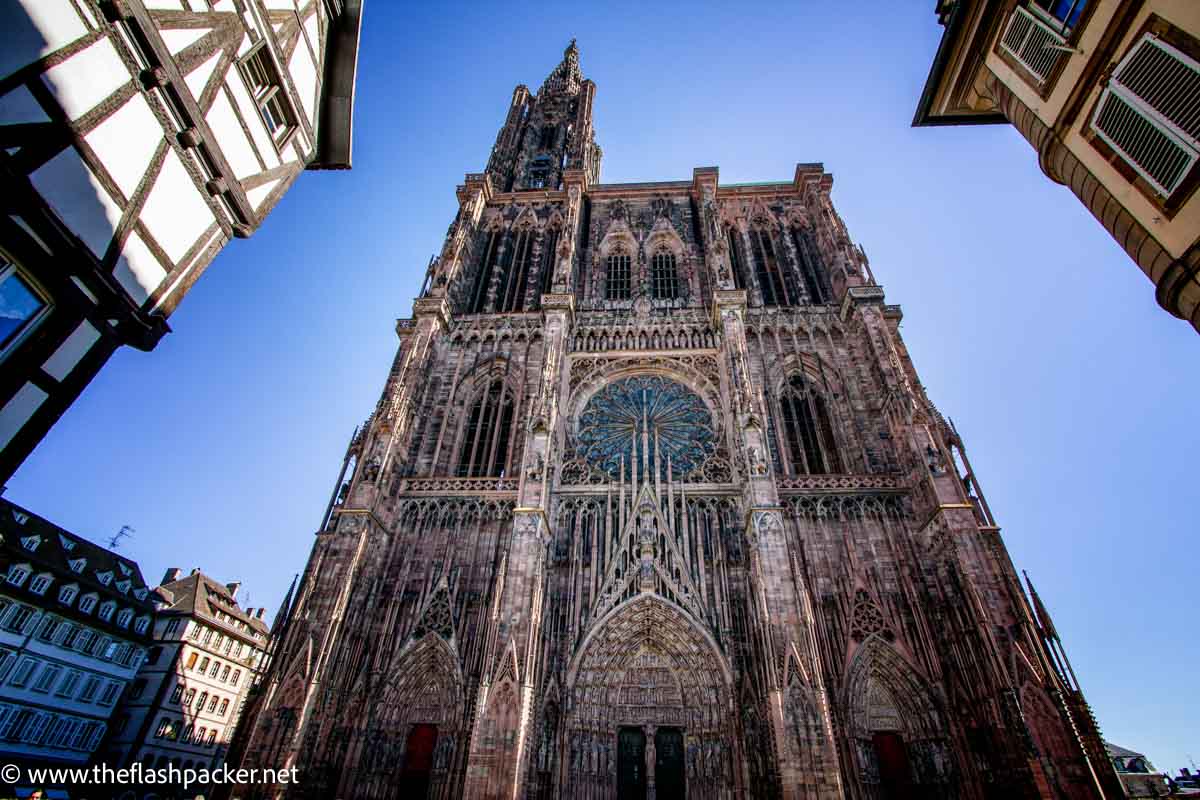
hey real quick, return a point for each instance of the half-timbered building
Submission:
(654, 505)
(137, 137)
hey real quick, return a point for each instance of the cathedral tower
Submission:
(653, 505)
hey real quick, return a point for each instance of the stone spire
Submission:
(566, 77)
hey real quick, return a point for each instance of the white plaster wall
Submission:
(230, 137)
(197, 79)
(71, 351)
(34, 28)
(77, 197)
(253, 118)
(18, 410)
(175, 212)
(125, 142)
(304, 74)
(84, 80)
(258, 195)
(138, 270)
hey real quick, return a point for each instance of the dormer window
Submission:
(262, 79)
(106, 610)
(125, 617)
(41, 583)
(88, 602)
(142, 623)
(105, 577)
(140, 594)
(67, 593)
(31, 543)
(17, 573)
(78, 564)
(67, 544)
(125, 570)
(123, 587)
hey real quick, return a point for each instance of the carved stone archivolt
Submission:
(649, 663)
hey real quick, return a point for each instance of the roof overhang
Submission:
(956, 30)
(336, 121)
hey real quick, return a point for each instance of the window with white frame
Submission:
(41, 583)
(31, 542)
(18, 619)
(89, 688)
(78, 564)
(67, 593)
(87, 603)
(141, 624)
(84, 640)
(24, 670)
(22, 305)
(172, 627)
(69, 682)
(109, 695)
(262, 79)
(47, 679)
(17, 573)
(125, 617)
(49, 629)
(106, 610)
(1149, 113)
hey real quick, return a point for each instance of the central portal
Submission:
(651, 715)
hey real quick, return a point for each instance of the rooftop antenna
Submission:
(115, 540)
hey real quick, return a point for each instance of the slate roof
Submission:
(201, 596)
(55, 551)
(1116, 751)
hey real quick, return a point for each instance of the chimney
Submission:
(172, 574)
(260, 613)
(232, 588)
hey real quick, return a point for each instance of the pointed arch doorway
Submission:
(652, 709)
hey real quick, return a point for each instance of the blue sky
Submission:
(1030, 328)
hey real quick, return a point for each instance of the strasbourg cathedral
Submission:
(654, 505)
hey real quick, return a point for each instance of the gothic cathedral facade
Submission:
(653, 505)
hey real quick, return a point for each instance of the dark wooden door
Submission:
(631, 764)
(894, 773)
(669, 779)
(418, 761)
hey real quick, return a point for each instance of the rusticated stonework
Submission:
(653, 505)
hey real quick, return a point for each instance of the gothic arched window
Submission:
(618, 281)
(483, 275)
(808, 430)
(663, 277)
(511, 294)
(484, 450)
(816, 282)
(549, 245)
(735, 260)
(771, 281)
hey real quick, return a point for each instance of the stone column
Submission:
(516, 619)
(784, 619)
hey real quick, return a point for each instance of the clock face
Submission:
(676, 419)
